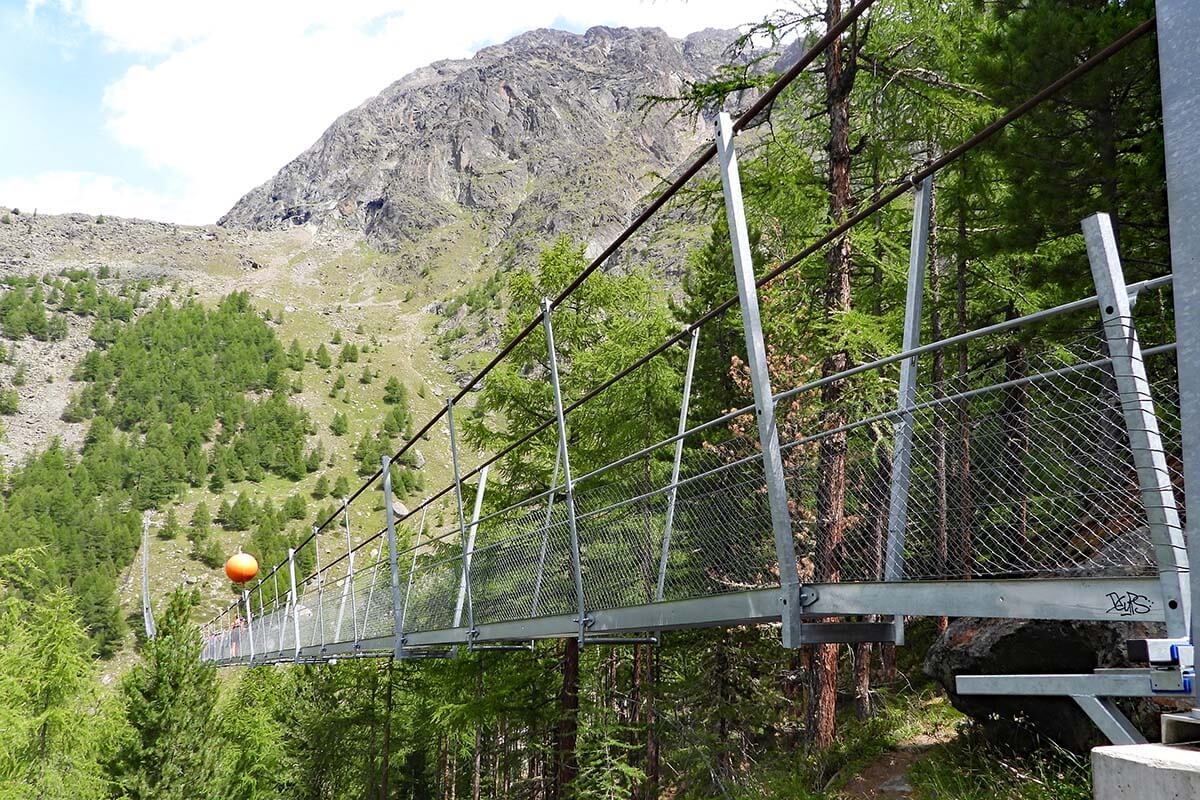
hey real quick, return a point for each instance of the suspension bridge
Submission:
(1075, 514)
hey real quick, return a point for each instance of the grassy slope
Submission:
(315, 285)
(313, 289)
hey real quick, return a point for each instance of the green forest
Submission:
(180, 396)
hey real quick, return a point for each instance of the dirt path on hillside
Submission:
(887, 777)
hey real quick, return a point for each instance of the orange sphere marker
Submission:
(241, 567)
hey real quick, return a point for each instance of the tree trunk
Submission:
(878, 515)
(443, 764)
(650, 791)
(477, 771)
(566, 766)
(636, 699)
(831, 493)
(721, 680)
(371, 755)
(863, 706)
(387, 736)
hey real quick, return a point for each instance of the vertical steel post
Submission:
(1141, 423)
(412, 569)
(893, 562)
(262, 621)
(353, 588)
(249, 623)
(371, 592)
(295, 602)
(764, 402)
(346, 582)
(464, 588)
(541, 570)
(390, 516)
(1179, 74)
(683, 414)
(348, 586)
(320, 577)
(239, 633)
(341, 608)
(287, 608)
(576, 559)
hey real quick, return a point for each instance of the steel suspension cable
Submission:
(706, 155)
(930, 168)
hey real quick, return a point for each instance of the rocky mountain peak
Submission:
(543, 134)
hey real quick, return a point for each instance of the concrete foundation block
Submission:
(1146, 772)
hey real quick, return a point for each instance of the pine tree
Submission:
(201, 524)
(50, 734)
(394, 392)
(341, 487)
(368, 452)
(295, 356)
(171, 700)
(254, 766)
(323, 359)
(216, 481)
(321, 489)
(339, 426)
(295, 507)
(242, 514)
(171, 527)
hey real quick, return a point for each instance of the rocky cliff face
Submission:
(542, 135)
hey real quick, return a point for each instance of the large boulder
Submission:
(1006, 646)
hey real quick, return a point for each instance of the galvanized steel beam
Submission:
(1179, 76)
(393, 554)
(1141, 423)
(576, 559)
(1086, 599)
(893, 564)
(683, 414)
(764, 403)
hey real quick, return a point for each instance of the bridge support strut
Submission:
(907, 393)
(760, 379)
(1141, 423)
(393, 554)
(671, 497)
(295, 603)
(576, 561)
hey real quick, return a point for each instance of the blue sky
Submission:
(172, 110)
(52, 78)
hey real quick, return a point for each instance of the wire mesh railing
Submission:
(1020, 467)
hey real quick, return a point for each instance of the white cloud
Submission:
(228, 91)
(88, 193)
